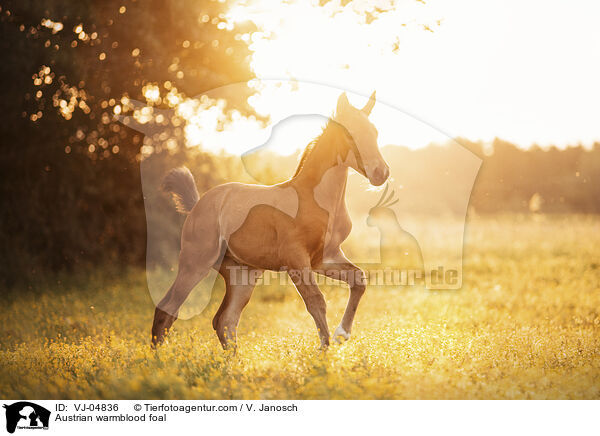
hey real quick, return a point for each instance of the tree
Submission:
(69, 172)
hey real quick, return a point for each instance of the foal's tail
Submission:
(180, 183)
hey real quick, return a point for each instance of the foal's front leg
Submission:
(340, 268)
(304, 279)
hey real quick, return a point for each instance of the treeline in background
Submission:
(69, 172)
(70, 182)
(511, 179)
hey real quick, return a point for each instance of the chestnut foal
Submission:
(295, 226)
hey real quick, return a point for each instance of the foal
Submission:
(296, 226)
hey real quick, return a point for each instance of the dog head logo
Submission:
(26, 415)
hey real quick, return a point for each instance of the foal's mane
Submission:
(309, 148)
(329, 128)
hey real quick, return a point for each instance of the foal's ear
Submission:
(342, 103)
(369, 106)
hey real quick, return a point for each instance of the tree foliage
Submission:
(70, 183)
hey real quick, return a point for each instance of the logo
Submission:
(405, 222)
(26, 415)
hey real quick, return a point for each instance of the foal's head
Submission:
(364, 155)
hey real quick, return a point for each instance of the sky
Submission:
(525, 71)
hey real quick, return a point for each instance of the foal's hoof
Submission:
(340, 335)
(157, 340)
(321, 350)
(155, 343)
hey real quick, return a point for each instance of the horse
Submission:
(296, 226)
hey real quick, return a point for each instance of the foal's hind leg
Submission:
(193, 267)
(238, 290)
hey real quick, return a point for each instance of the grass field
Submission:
(525, 325)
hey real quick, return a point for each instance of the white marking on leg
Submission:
(339, 334)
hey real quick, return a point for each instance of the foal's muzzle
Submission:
(379, 175)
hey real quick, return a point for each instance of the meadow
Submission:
(525, 325)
